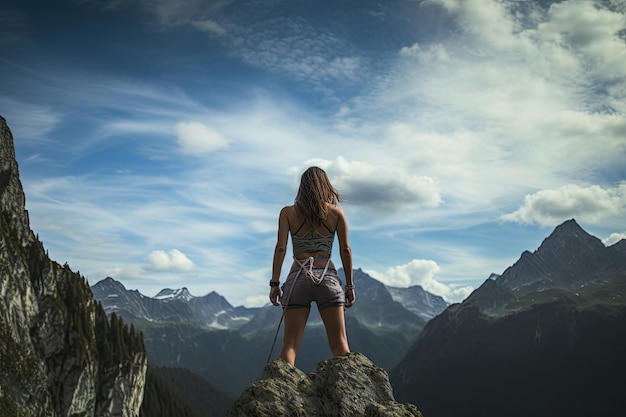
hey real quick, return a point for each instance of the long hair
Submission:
(314, 194)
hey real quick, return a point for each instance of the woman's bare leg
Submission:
(335, 325)
(295, 322)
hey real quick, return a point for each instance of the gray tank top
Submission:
(313, 242)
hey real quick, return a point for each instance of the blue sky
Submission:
(158, 139)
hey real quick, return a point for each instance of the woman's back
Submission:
(310, 240)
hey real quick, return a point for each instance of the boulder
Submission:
(348, 385)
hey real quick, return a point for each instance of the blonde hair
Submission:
(314, 195)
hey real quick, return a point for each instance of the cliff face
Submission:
(59, 354)
(348, 385)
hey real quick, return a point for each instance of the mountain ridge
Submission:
(531, 340)
(195, 334)
(213, 311)
(567, 258)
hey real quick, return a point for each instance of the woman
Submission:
(312, 221)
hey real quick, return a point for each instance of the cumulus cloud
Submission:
(196, 138)
(613, 238)
(590, 29)
(379, 187)
(172, 261)
(589, 204)
(257, 300)
(421, 272)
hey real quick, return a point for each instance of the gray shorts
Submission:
(327, 294)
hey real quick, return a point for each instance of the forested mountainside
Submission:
(59, 353)
(545, 338)
(177, 392)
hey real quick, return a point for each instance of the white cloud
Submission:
(379, 187)
(257, 300)
(421, 272)
(174, 260)
(488, 20)
(196, 138)
(592, 204)
(590, 29)
(613, 238)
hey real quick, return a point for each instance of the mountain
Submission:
(568, 258)
(418, 301)
(228, 345)
(545, 338)
(59, 353)
(211, 311)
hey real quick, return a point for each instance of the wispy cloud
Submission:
(32, 122)
(514, 111)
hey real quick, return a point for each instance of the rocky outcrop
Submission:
(349, 385)
(59, 354)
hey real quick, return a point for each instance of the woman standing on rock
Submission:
(312, 221)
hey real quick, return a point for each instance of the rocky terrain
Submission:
(343, 386)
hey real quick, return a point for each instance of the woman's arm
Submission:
(281, 244)
(279, 253)
(345, 252)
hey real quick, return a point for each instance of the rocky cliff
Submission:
(347, 386)
(59, 354)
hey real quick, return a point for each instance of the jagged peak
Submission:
(567, 229)
(569, 226)
(214, 295)
(568, 233)
(12, 198)
(569, 256)
(111, 281)
(7, 149)
(171, 294)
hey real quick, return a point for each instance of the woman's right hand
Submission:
(350, 297)
(275, 295)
